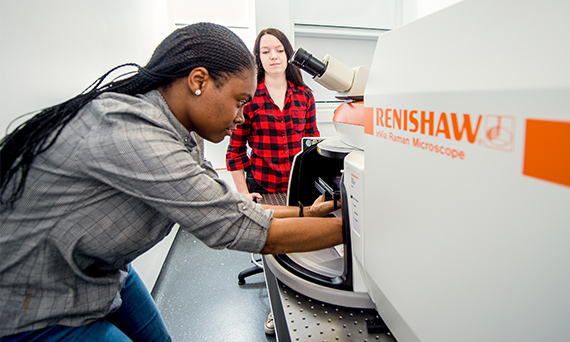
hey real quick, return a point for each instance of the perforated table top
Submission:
(301, 318)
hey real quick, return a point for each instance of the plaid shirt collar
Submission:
(262, 89)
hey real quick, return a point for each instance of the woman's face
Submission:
(220, 109)
(272, 55)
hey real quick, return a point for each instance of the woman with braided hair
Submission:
(90, 184)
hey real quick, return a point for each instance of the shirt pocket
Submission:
(298, 117)
(263, 122)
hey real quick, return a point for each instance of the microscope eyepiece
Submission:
(308, 63)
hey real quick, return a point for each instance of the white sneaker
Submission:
(269, 326)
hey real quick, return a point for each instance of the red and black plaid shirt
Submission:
(274, 136)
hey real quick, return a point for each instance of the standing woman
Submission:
(90, 184)
(281, 113)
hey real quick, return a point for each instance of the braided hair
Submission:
(207, 45)
(292, 73)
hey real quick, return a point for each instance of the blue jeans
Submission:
(137, 319)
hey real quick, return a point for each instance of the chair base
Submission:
(248, 272)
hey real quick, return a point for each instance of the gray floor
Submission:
(199, 297)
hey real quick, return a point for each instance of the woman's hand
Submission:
(321, 207)
(254, 196)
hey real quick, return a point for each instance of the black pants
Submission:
(252, 184)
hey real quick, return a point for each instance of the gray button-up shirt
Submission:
(121, 173)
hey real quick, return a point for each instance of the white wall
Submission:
(52, 50)
(415, 9)
(237, 15)
(277, 14)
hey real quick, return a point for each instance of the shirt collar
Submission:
(156, 98)
(262, 89)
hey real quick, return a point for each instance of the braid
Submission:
(207, 45)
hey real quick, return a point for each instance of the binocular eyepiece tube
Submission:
(349, 83)
(306, 62)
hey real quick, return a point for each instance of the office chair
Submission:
(257, 268)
